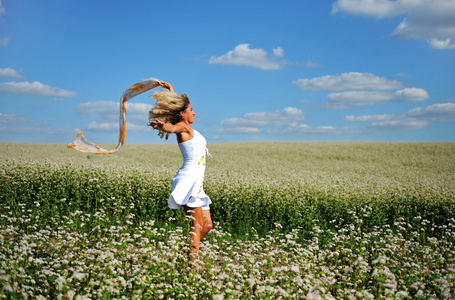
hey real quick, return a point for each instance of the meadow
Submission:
(292, 220)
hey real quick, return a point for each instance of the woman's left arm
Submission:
(166, 85)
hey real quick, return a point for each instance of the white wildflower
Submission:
(218, 297)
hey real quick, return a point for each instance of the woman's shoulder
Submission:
(186, 134)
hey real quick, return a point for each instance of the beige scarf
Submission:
(84, 145)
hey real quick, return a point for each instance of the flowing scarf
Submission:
(82, 144)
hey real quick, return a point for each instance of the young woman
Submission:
(173, 114)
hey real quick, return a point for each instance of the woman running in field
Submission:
(173, 114)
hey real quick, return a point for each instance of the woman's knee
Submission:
(207, 226)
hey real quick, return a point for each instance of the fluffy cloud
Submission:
(96, 107)
(243, 55)
(442, 44)
(348, 81)
(37, 131)
(305, 129)
(11, 119)
(410, 94)
(114, 126)
(249, 122)
(35, 89)
(405, 124)
(363, 98)
(375, 8)
(440, 112)
(108, 113)
(278, 52)
(360, 89)
(261, 119)
(356, 98)
(286, 121)
(431, 20)
(417, 118)
(110, 110)
(368, 118)
(8, 72)
(240, 130)
(102, 126)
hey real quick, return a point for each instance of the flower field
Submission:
(292, 220)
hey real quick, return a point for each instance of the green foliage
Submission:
(291, 220)
(252, 185)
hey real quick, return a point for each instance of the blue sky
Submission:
(299, 70)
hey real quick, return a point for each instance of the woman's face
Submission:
(188, 114)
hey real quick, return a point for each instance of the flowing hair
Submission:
(168, 106)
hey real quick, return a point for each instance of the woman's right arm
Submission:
(182, 130)
(168, 127)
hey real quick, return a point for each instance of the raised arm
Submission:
(166, 85)
(168, 127)
(182, 130)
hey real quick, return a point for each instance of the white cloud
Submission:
(278, 52)
(405, 124)
(249, 122)
(114, 126)
(109, 110)
(4, 41)
(16, 125)
(8, 72)
(363, 98)
(431, 20)
(35, 89)
(243, 55)
(417, 118)
(286, 121)
(138, 108)
(348, 81)
(440, 112)
(108, 114)
(367, 118)
(2, 8)
(305, 129)
(235, 130)
(6, 119)
(98, 107)
(376, 8)
(442, 44)
(41, 131)
(389, 122)
(260, 119)
(360, 89)
(102, 126)
(356, 98)
(411, 94)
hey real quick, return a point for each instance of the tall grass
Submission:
(251, 184)
(293, 220)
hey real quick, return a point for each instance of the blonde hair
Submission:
(168, 106)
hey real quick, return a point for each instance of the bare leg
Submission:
(202, 224)
(207, 221)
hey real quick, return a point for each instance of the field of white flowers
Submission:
(293, 220)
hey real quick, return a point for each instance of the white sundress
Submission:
(187, 183)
